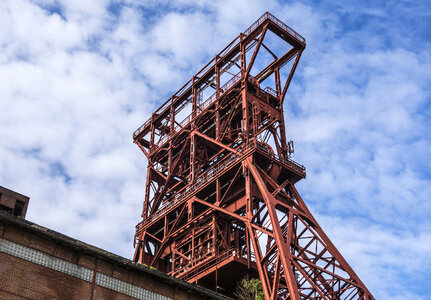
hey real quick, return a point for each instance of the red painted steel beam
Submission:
(218, 197)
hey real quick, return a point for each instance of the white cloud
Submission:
(29, 30)
(382, 258)
(76, 80)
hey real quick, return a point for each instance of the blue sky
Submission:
(78, 77)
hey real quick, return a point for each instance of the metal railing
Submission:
(190, 189)
(205, 264)
(285, 27)
(200, 107)
(268, 15)
(271, 91)
(214, 172)
(294, 165)
(211, 99)
(256, 24)
(141, 128)
(234, 80)
(205, 104)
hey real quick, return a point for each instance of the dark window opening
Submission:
(19, 207)
(6, 208)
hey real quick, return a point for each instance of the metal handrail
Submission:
(203, 178)
(222, 90)
(201, 106)
(285, 27)
(212, 173)
(286, 160)
(268, 15)
(209, 262)
(256, 24)
(141, 128)
(271, 91)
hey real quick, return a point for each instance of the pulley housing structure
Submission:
(220, 199)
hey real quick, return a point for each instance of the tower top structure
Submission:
(220, 198)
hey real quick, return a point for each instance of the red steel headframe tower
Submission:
(220, 198)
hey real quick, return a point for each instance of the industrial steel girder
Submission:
(220, 198)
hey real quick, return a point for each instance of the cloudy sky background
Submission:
(78, 77)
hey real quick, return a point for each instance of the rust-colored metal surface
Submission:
(220, 198)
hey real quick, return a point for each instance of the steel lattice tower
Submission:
(220, 202)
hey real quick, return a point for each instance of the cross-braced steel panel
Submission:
(220, 199)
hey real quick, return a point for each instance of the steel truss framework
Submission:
(220, 202)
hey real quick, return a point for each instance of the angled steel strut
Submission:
(220, 198)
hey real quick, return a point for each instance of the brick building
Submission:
(38, 263)
(13, 202)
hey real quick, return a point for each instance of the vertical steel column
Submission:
(215, 203)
